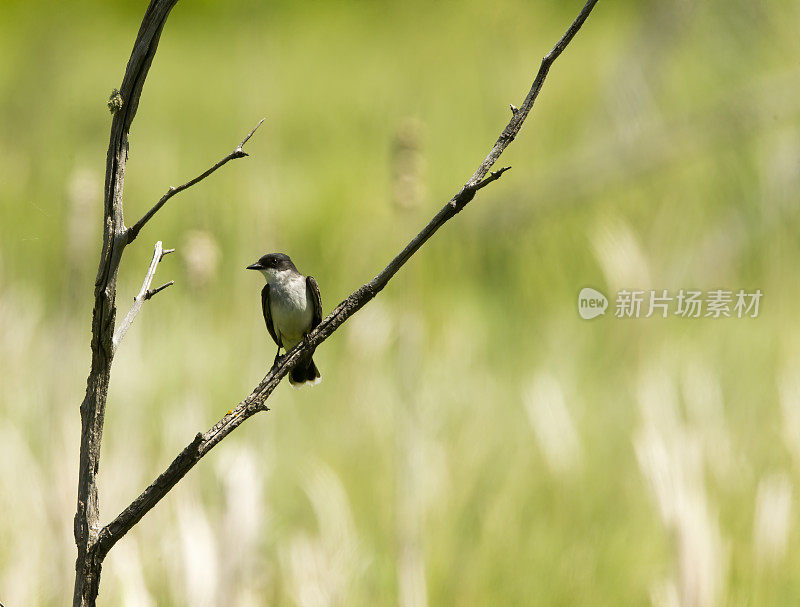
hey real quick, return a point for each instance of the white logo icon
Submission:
(591, 303)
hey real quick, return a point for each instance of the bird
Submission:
(292, 307)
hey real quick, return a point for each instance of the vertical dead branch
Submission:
(87, 524)
(116, 237)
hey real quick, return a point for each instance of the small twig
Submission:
(132, 232)
(467, 193)
(152, 292)
(250, 134)
(144, 293)
(493, 176)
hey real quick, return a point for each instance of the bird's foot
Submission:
(278, 359)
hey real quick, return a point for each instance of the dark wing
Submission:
(268, 314)
(312, 291)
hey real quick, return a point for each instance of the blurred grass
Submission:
(662, 153)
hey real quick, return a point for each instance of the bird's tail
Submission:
(305, 372)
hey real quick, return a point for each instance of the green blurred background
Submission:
(474, 441)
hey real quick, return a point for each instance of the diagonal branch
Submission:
(132, 232)
(518, 117)
(144, 293)
(255, 401)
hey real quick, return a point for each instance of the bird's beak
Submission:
(253, 266)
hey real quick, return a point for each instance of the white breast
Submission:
(292, 311)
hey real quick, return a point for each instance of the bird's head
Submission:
(272, 264)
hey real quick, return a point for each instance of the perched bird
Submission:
(292, 308)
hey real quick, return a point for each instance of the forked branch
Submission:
(144, 293)
(256, 400)
(105, 339)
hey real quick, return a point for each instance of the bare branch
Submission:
(518, 117)
(150, 294)
(132, 232)
(87, 513)
(144, 293)
(493, 176)
(256, 400)
(250, 134)
(123, 105)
